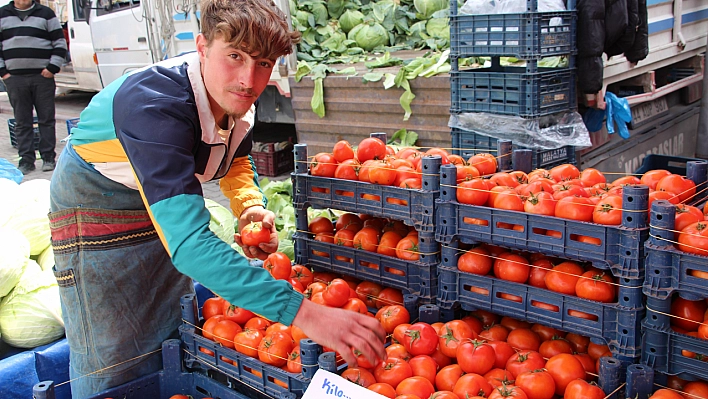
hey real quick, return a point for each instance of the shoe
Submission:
(26, 168)
(48, 166)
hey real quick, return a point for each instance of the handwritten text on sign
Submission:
(329, 385)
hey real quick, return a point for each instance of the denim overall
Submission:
(119, 290)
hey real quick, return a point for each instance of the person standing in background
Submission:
(32, 51)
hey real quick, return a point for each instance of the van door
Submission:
(120, 38)
(85, 70)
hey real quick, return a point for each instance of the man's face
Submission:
(233, 78)
(23, 4)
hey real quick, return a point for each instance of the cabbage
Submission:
(350, 19)
(31, 220)
(10, 199)
(369, 35)
(427, 7)
(46, 259)
(30, 315)
(36, 191)
(15, 250)
(438, 27)
(221, 222)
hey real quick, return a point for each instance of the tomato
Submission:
(254, 233)
(337, 293)
(564, 368)
(512, 323)
(689, 313)
(575, 208)
(297, 334)
(349, 221)
(247, 341)
(495, 333)
(652, 177)
(444, 395)
(224, 332)
(537, 384)
(508, 391)
(524, 339)
(398, 351)
(424, 366)
(564, 277)
(407, 248)
(694, 239)
(596, 351)
(294, 364)
(367, 239)
(399, 332)
(438, 151)
(388, 242)
(275, 348)
(176, 397)
(342, 151)
(590, 177)
(512, 267)
(368, 292)
(392, 371)
(568, 190)
(418, 386)
(541, 203)
(504, 179)
(391, 316)
(696, 390)
(608, 211)
(278, 265)
(208, 327)
(382, 173)
(486, 163)
(473, 192)
(508, 199)
(321, 224)
(547, 333)
(474, 322)
(355, 305)
(578, 342)
(383, 389)
(524, 361)
(324, 165)
(420, 339)
(470, 385)
(257, 323)
(581, 389)
(359, 376)
(452, 334)
(564, 172)
(212, 307)
(498, 377)
(371, 148)
(666, 394)
(302, 274)
(389, 296)
(588, 365)
(539, 269)
(489, 318)
(662, 195)
(686, 215)
(555, 346)
(596, 286)
(502, 352)
(475, 356)
(447, 377)
(626, 180)
(476, 261)
(681, 186)
(440, 359)
(466, 172)
(237, 315)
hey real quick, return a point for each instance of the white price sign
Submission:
(329, 385)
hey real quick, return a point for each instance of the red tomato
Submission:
(392, 316)
(652, 177)
(225, 331)
(392, 371)
(470, 385)
(212, 307)
(498, 377)
(254, 233)
(359, 376)
(466, 172)
(476, 261)
(689, 313)
(237, 315)
(209, 325)
(626, 180)
(575, 208)
(420, 339)
(509, 200)
(382, 173)
(473, 192)
(508, 391)
(278, 265)
(681, 186)
(524, 339)
(541, 203)
(349, 221)
(389, 296)
(502, 352)
(407, 248)
(539, 269)
(553, 347)
(686, 215)
(564, 172)
(512, 267)
(524, 361)
(302, 274)
(397, 351)
(371, 148)
(294, 364)
(564, 368)
(383, 389)
(323, 165)
(247, 341)
(452, 334)
(485, 163)
(275, 348)
(495, 333)
(537, 384)
(581, 389)
(596, 286)
(424, 366)
(438, 151)
(447, 377)
(694, 239)
(342, 151)
(666, 394)
(578, 342)
(258, 323)
(590, 177)
(348, 170)
(662, 195)
(418, 386)
(337, 293)
(696, 390)
(564, 277)
(475, 356)
(547, 333)
(608, 211)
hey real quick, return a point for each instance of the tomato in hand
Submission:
(254, 234)
(420, 339)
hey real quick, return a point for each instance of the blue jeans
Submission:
(119, 290)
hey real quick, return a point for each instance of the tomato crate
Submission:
(11, 125)
(418, 278)
(273, 163)
(413, 207)
(618, 248)
(173, 379)
(467, 143)
(528, 92)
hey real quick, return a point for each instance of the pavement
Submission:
(68, 106)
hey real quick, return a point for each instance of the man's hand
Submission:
(267, 218)
(5, 76)
(47, 74)
(353, 331)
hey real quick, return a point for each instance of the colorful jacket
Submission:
(153, 130)
(27, 47)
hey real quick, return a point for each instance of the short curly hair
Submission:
(258, 27)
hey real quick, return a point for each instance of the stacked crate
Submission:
(529, 92)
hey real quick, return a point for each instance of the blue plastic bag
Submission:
(617, 109)
(593, 119)
(9, 171)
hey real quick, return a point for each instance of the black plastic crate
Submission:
(273, 163)
(467, 143)
(11, 123)
(526, 92)
(527, 36)
(413, 207)
(619, 248)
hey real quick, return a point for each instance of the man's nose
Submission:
(247, 75)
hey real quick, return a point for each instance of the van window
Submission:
(111, 6)
(78, 6)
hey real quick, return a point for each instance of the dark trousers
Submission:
(28, 92)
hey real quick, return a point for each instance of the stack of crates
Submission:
(530, 92)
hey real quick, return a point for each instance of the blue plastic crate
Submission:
(527, 36)
(414, 207)
(11, 124)
(616, 325)
(674, 164)
(619, 248)
(662, 350)
(467, 143)
(418, 278)
(70, 124)
(524, 92)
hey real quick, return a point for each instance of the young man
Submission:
(129, 226)
(32, 50)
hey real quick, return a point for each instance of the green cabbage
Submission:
(15, 250)
(426, 8)
(10, 199)
(46, 259)
(31, 220)
(438, 27)
(30, 315)
(369, 35)
(350, 19)
(36, 190)
(222, 221)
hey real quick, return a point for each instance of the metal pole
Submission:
(702, 136)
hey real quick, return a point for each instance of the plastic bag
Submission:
(617, 109)
(474, 7)
(546, 133)
(9, 171)
(593, 119)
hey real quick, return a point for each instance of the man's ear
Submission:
(201, 45)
